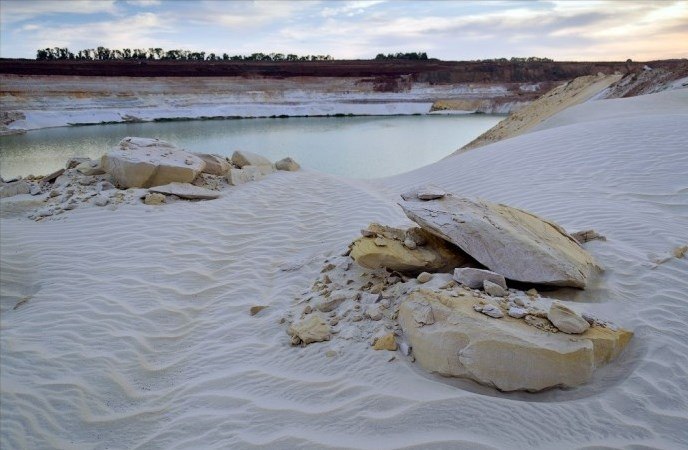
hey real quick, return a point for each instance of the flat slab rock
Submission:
(186, 190)
(142, 162)
(450, 338)
(514, 243)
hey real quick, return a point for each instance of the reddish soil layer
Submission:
(419, 71)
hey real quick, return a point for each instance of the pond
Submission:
(357, 147)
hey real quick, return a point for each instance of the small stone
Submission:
(307, 309)
(493, 289)
(368, 298)
(154, 199)
(489, 310)
(405, 349)
(256, 309)
(517, 313)
(188, 161)
(386, 342)
(373, 312)
(566, 319)
(330, 353)
(474, 278)
(327, 268)
(331, 303)
(410, 244)
(312, 329)
(368, 233)
(356, 318)
(101, 200)
(424, 277)
(380, 242)
(519, 301)
(532, 292)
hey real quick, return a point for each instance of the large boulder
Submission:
(14, 188)
(241, 158)
(409, 251)
(186, 190)
(214, 164)
(514, 243)
(142, 162)
(506, 352)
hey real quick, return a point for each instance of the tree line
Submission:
(106, 54)
(127, 54)
(416, 56)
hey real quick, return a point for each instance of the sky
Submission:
(449, 30)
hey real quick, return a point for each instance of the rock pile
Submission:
(144, 170)
(426, 292)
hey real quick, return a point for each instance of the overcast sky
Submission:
(449, 30)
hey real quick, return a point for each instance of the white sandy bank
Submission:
(135, 331)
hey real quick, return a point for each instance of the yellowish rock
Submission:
(386, 342)
(508, 353)
(311, 329)
(385, 248)
(154, 199)
(256, 309)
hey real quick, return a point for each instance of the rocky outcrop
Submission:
(514, 243)
(508, 353)
(407, 251)
(186, 190)
(141, 162)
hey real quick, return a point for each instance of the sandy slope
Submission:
(136, 332)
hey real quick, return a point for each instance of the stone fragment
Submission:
(154, 199)
(428, 192)
(566, 319)
(101, 200)
(532, 292)
(475, 278)
(186, 190)
(287, 164)
(311, 329)
(424, 277)
(141, 162)
(489, 310)
(53, 176)
(335, 299)
(90, 168)
(373, 312)
(507, 353)
(587, 235)
(256, 309)
(214, 164)
(514, 243)
(73, 162)
(517, 312)
(494, 289)
(386, 342)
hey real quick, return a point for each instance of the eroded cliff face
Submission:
(40, 94)
(39, 101)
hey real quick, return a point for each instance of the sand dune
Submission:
(134, 332)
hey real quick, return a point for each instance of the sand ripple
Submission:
(132, 329)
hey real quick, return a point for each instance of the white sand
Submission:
(136, 331)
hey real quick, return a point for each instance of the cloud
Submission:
(593, 30)
(19, 10)
(144, 3)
